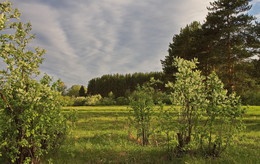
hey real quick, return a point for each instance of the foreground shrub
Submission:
(189, 100)
(223, 118)
(31, 121)
(207, 117)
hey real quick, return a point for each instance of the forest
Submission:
(203, 107)
(226, 43)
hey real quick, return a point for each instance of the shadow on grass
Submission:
(252, 125)
(95, 150)
(105, 114)
(110, 154)
(101, 139)
(101, 125)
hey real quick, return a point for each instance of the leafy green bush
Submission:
(142, 109)
(107, 101)
(80, 101)
(67, 100)
(223, 118)
(251, 97)
(122, 101)
(207, 117)
(189, 100)
(93, 100)
(31, 121)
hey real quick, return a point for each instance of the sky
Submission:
(85, 39)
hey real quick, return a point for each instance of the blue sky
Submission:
(89, 38)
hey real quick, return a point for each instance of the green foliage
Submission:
(251, 97)
(110, 100)
(230, 38)
(82, 91)
(79, 101)
(73, 91)
(101, 136)
(93, 100)
(67, 100)
(72, 116)
(122, 101)
(111, 95)
(83, 101)
(165, 128)
(224, 43)
(249, 82)
(62, 88)
(189, 94)
(107, 101)
(185, 45)
(223, 118)
(31, 121)
(142, 108)
(199, 98)
(121, 85)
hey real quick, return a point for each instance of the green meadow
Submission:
(101, 135)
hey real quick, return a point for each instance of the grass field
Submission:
(101, 136)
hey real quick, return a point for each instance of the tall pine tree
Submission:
(227, 28)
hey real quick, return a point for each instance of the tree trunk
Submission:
(180, 140)
(230, 64)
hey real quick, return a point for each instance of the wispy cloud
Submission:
(87, 38)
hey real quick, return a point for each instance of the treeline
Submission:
(121, 85)
(227, 43)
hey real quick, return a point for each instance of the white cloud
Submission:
(87, 38)
(61, 61)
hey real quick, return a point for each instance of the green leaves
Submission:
(142, 110)
(31, 120)
(206, 115)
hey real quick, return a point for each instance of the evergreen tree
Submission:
(228, 27)
(121, 84)
(223, 44)
(82, 91)
(184, 45)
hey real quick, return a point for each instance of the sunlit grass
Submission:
(101, 136)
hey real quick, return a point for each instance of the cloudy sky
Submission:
(89, 38)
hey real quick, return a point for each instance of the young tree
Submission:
(223, 118)
(73, 91)
(31, 121)
(142, 110)
(188, 98)
(62, 87)
(196, 99)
